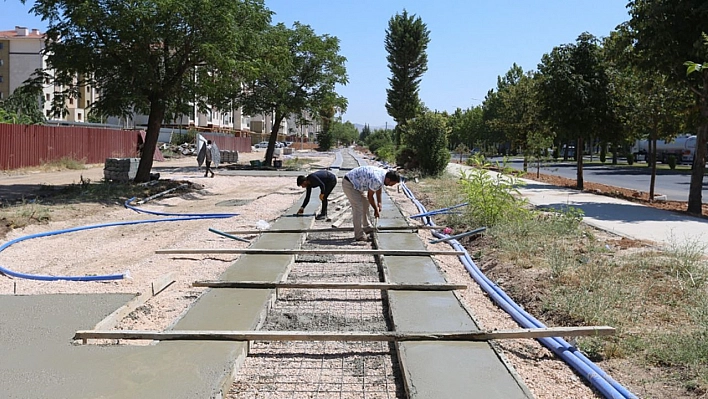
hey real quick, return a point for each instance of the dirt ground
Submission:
(257, 200)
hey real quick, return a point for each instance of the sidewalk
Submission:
(624, 218)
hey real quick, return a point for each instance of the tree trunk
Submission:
(695, 193)
(157, 114)
(273, 138)
(579, 156)
(652, 161)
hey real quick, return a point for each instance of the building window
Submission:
(79, 116)
(0, 79)
(71, 101)
(47, 96)
(49, 113)
(1, 62)
(2, 45)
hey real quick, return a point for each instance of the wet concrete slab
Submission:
(38, 359)
(438, 369)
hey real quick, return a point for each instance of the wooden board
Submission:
(255, 251)
(344, 336)
(328, 286)
(333, 229)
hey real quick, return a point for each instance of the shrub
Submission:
(427, 136)
(492, 197)
(671, 160)
(630, 159)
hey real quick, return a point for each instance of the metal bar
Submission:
(469, 233)
(221, 233)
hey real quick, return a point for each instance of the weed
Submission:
(64, 163)
(655, 299)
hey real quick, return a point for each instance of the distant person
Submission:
(362, 186)
(326, 181)
(209, 153)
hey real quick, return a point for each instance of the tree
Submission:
(406, 41)
(668, 33)
(295, 70)
(574, 93)
(24, 105)
(365, 132)
(150, 56)
(648, 105)
(429, 132)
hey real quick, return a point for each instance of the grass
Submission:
(39, 210)
(27, 213)
(656, 300)
(296, 163)
(63, 164)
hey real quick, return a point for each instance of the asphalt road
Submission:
(675, 185)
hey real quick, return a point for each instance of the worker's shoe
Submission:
(364, 238)
(320, 217)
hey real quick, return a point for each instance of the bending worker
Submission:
(326, 181)
(362, 186)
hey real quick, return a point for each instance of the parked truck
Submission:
(682, 147)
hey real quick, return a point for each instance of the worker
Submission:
(362, 186)
(326, 181)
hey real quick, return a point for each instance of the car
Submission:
(262, 144)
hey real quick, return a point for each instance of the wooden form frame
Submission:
(196, 335)
(334, 229)
(328, 286)
(256, 251)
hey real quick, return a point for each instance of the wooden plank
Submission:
(256, 251)
(329, 286)
(334, 229)
(139, 300)
(119, 314)
(163, 282)
(196, 335)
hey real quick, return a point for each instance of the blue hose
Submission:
(182, 217)
(573, 357)
(438, 211)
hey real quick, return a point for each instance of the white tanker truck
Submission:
(682, 147)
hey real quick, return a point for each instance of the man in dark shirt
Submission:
(326, 181)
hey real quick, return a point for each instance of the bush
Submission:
(630, 159)
(427, 136)
(671, 160)
(492, 197)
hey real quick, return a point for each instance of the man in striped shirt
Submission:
(362, 186)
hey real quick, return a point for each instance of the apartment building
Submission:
(20, 55)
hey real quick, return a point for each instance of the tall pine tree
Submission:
(407, 39)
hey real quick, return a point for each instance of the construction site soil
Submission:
(258, 199)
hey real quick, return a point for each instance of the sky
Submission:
(472, 42)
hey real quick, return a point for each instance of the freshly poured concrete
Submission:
(437, 369)
(38, 360)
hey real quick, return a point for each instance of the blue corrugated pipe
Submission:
(571, 355)
(438, 211)
(181, 217)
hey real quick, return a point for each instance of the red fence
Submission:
(32, 145)
(229, 142)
